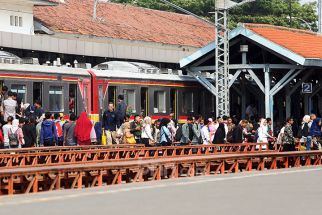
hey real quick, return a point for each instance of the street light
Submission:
(305, 22)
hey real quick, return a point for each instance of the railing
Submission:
(46, 178)
(41, 158)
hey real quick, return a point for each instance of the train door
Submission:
(72, 100)
(111, 95)
(173, 102)
(144, 101)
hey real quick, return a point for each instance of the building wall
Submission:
(97, 47)
(16, 10)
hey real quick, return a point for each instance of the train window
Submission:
(187, 99)
(160, 102)
(130, 100)
(85, 97)
(56, 99)
(21, 91)
(72, 98)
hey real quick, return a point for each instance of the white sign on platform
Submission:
(306, 87)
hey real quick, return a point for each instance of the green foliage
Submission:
(275, 12)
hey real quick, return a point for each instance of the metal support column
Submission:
(268, 111)
(222, 61)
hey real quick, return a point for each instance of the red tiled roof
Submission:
(125, 22)
(305, 43)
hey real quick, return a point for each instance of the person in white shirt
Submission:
(9, 106)
(5, 130)
(205, 134)
(146, 135)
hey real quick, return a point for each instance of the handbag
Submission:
(130, 140)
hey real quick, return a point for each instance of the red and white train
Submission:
(145, 88)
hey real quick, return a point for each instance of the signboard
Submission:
(306, 87)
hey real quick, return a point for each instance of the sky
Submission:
(306, 1)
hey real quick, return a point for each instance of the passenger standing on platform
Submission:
(38, 111)
(3, 96)
(304, 133)
(315, 130)
(109, 124)
(69, 131)
(187, 132)
(288, 137)
(262, 132)
(238, 133)
(9, 106)
(165, 134)
(120, 110)
(220, 134)
(205, 135)
(48, 133)
(83, 130)
(15, 135)
(38, 128)
(5, 130)
(156, 132)
(29, 132)
(196, 128)
(128, 137)
(212, 129)
(136, 128)
(59, 129)
(146, 137)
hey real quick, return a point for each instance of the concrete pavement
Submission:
(293, 191)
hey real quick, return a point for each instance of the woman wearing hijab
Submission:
(146, 135)
(15, 135)
(220, 134)
(83, 130)
(262, 133)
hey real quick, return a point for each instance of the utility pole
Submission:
(222, 54)
(94, 9)
(320, 16)
(290, 12)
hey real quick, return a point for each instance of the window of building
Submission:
(160, 102)
(12, 20)
(20, 21)
(187, 98)
(56, 99)
(16, 21)
(21, 91)
(130, 100)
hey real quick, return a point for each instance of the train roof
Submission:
(5, 67)
(136, 70)
(109, 74)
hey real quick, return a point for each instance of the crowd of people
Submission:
(28, 125)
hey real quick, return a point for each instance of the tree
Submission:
(276, 12)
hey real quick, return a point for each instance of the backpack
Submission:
(13, 138)
(48, 133)
(178, 135)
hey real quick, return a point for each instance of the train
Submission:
(147, 90)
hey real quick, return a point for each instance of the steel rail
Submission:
(77, 176)
(114, 154)
(67, 148)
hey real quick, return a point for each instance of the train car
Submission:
(147, 90)
(60, 89)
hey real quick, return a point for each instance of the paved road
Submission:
(294, 191)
